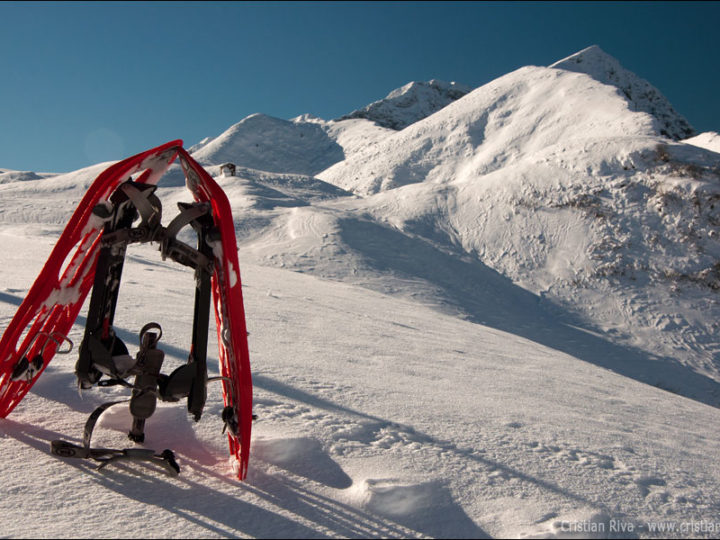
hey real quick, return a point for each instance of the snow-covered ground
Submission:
(709, 140)
(499, 321)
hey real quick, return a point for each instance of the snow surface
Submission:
(709, 140)
(271, 144)
(410, 103)
(500, 321)
(640, 93)
(8, 175)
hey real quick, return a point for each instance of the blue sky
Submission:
(84, 82)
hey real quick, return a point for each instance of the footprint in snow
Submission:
(647, 484)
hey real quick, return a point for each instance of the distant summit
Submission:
(273, 145)
(520, 118)
(410, 103)
(507, 120)
(643, 96)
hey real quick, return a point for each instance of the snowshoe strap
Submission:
(150, 212)
(150, 229)
(92, 420)
(26, 369)
(178, 384)
(150, 339)
(144, 396)
(166, 458)
(188, 214)
(109, 356)
(110, 455)
(231, 421)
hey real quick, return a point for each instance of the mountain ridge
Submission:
(408, 104)
(644, 97)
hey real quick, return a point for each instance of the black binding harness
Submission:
(102, 352)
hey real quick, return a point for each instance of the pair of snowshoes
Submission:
(117, 211)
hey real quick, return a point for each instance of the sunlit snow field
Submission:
(499, 321)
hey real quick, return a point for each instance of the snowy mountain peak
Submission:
(411, 103)
(642, 96)
(271, 144)
(308, 118)
(521, 116)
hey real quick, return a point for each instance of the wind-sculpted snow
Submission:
(377, 417)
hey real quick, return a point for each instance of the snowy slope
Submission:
(550, 178)
(378, 417)
(640, 93)
(709, 140)
(308, 144)
(355, 135)
(45, 198)
(8, 175)
(270, 144)
(514, 117)
(467, 328)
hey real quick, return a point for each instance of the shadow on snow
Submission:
(486, 297)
